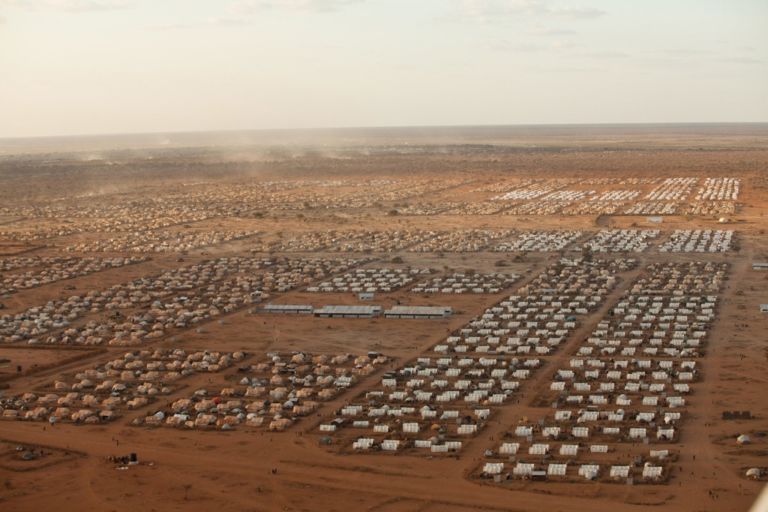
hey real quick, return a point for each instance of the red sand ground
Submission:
(200, 470)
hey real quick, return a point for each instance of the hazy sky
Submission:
(117, 66)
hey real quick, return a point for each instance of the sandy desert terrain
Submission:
(603, 350)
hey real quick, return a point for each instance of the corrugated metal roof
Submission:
(291, 307)
(348, 310)
(419, 310)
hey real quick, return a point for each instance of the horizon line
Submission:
(382, 127)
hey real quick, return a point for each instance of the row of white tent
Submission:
(367, 443)
(621, 240)
(587, 471)
(459, 283)
(673, 189)
(699, 240)
(540, 241)
(630, 399)
(719, 189)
